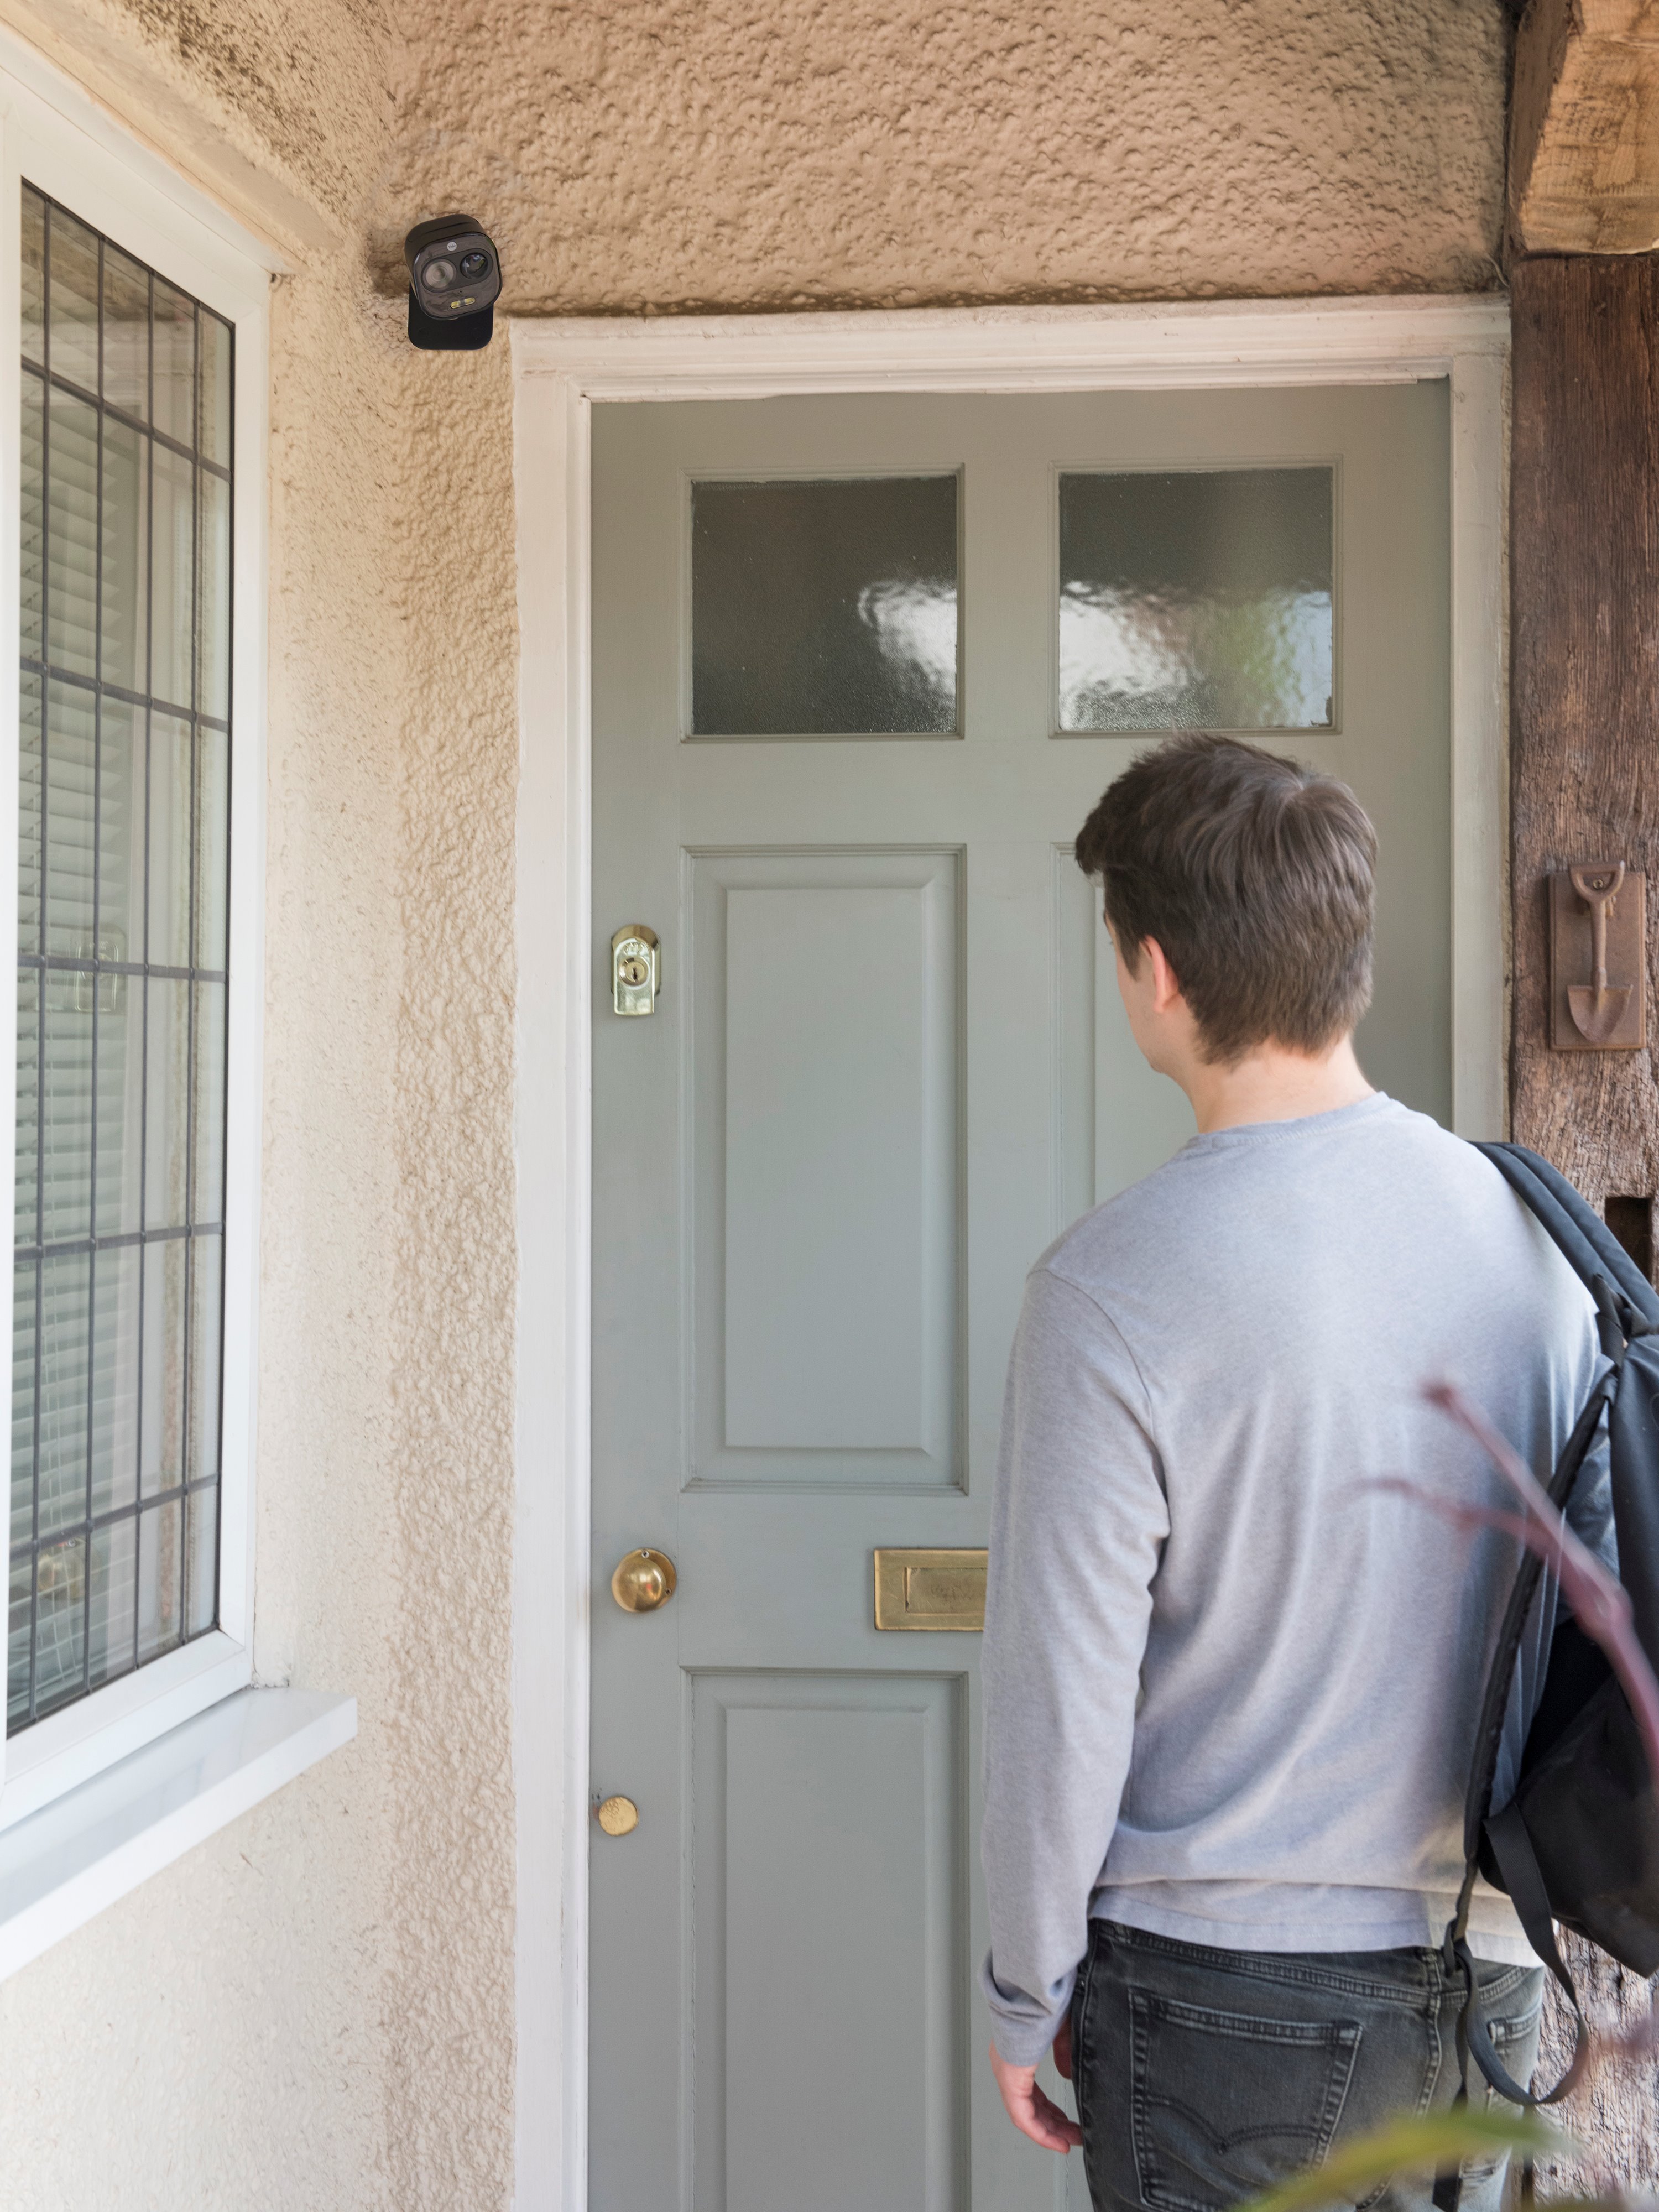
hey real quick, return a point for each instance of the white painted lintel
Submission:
(79, 1854)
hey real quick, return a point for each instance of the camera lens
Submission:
(473, 265)
(438, 274)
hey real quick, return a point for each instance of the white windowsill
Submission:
(62, 1864)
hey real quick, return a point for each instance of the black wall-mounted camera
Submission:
(454, 282)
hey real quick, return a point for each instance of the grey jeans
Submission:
(1203, 2075)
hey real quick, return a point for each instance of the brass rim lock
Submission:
(643, 1581)
(635, 970)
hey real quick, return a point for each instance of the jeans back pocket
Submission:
(1224, 2103)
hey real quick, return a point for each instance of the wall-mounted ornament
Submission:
(1598, 958)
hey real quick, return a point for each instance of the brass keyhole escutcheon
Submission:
(643, 1581)
(635, 970)
(617, 1816)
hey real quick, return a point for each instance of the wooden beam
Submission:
(1584, 128)
(1584, 783)
(1584, 553)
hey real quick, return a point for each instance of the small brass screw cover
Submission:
(617, 1816)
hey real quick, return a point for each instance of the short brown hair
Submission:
(1254, 875)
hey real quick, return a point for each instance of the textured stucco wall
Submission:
(315, 2009)
(672, 154)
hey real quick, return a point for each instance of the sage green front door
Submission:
(861, 666)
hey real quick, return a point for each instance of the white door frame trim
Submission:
(559, 369)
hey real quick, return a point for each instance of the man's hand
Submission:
(1031, 2113)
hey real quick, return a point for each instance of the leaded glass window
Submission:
(123, 961)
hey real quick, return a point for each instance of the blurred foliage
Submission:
(1428, 2144)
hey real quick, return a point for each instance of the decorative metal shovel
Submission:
(1597, 1007)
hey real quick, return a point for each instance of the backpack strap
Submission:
(1584, 1241)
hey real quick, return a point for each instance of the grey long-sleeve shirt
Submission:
(1230, 1689)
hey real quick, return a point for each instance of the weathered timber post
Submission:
(1584, 786)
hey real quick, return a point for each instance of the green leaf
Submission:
(1436, 2140)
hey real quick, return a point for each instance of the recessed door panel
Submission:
(827, 1056)
(826, 1855)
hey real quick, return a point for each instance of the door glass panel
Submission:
(824, 609)
(1196, 599)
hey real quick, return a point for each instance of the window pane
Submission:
(162, 1380)
(118, 1286)
(213, 615)
(202, 1596)
(166, 1079)
(20, 1640)
(125, 799)
(66, 1107)
(72, 793)
(34, 276)
(114, 1591)
(65, 1360)
(72, 534)
(175, 363)
(169, 841)
(60, 1620)
(825, 608)
(207, 1117)
(25, 1292)
(119, 1176)
(124, 624)
(171, 577)
(161, 1569)
(212, 845)
(205, 1301)
(33, 612)
(126, 332)
(27, 1186)
(214, 435)
(120, 845)
(72, 301)
(1196, 599)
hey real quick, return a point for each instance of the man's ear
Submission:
(1166, 984)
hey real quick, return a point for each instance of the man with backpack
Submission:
(1232, 1681)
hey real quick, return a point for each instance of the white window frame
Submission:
(560, 369)
(58, 139)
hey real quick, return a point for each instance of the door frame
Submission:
(560, 368)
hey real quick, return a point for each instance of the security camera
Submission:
(454, 282)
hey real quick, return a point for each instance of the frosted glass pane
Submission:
(1196, 599)
(825, 608)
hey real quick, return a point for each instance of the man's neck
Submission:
(1271, 1085)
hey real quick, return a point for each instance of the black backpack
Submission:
(1579, 1841)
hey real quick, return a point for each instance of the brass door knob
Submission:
(643, 1581)
(617, 1816)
